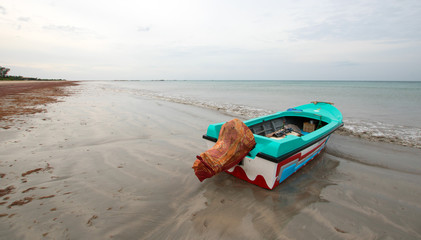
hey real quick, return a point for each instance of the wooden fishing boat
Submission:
(285, 142)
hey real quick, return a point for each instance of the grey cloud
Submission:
(62, 28)
(200, 51)
(387, 20)
(24, 19)
(2, 10)
(345, 64)
(143, 29)
(72, 31)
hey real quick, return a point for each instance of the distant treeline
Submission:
(17, 78)
(20, 78)
(5, 77)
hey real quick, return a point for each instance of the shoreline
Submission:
(42, 92)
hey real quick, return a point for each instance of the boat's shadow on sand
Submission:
(233, 204)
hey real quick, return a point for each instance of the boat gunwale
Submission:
(288, 154)
(299, 149)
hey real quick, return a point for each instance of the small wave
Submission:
(382, 132)
(236, 110)
(372, 131)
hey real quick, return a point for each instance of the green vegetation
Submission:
(3, 71)
(17, 78)
(5, 77)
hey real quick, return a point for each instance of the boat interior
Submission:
(288, 125)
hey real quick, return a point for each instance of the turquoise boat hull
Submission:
(275, 159)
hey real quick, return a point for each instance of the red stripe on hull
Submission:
(312, 150)
(286, 161)
(260, 180)
(295, 157)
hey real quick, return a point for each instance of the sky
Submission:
(212, 39)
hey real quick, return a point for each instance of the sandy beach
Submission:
(101, 164)
(28, 97)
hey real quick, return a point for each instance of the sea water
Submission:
(386, 110)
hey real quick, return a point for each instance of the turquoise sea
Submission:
(380, 109)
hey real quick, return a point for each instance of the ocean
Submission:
(375, 110)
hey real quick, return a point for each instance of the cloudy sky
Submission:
(212, 39)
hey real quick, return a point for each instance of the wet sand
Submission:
(107, 165)
(29, 97)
